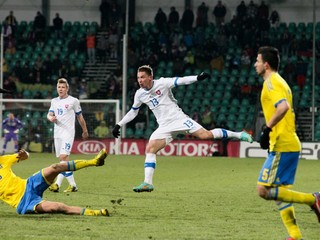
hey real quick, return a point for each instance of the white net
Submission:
(33, 114)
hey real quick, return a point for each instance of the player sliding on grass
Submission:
(172, 120)
(280, 138)
(26, 194)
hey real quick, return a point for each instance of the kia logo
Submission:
(90, 147)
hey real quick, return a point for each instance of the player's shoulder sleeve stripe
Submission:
(176, 82)
(135, 108)
(280, 101)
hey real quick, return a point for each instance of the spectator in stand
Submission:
(202, 15)
(82, 45)
(57, 25)
(245, 60)
(56, 65)
(289, 72)
(114, 14)
(91, 47)
(39, 26)
(102, 48)
(252, 11)
(47, 69)
(7, 34)
(73, 45)
(274, 18)
(27, 74)
(285, 42)
(10, 84)
(263, 11)
(5, 68)
(173, 20)
(160, 21)
(12, 21)
(189, 60)
(178, 66)
(104, 9)
(11, 47)
(207, 118)
(102, 130)
(113, 43)
(187, 19)
(263, 27)
(241, 10)
(219, 13)
(17, 70)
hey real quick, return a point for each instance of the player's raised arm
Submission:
(127, 118)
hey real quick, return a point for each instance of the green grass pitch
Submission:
(194, 198)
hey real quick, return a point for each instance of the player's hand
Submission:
(265, 138)
(23, 154)
(85, 135)
(16, 131)
(6, 131)
(116, 131)
(202, 76)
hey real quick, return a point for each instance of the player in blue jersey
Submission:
(11, 126)
(157, 95)
(26, 194)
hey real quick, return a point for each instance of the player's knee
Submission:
(263, 192)
(55, 166)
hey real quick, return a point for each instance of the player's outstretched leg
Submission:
(221, 133)
(246, 137)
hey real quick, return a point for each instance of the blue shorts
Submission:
(279, 169)
(32, 197)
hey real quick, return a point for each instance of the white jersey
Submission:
(65, 111)
(160, 100)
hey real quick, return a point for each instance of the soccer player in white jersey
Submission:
(62, 113)
(157, 95)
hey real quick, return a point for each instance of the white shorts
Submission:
(169, 131)
(63, 145)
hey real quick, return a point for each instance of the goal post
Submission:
(37, 129)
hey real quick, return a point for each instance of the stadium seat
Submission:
(129, 133)
(138, 133)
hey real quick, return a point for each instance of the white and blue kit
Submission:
(65, 110)
(160, 100)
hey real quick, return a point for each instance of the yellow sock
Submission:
(90, 212)
(78, 164)
(289, 196)
(289, 221)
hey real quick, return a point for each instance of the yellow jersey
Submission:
(12, 187)
(283, 137)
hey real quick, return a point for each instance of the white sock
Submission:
(59, 180)
(219, 133)
(149, 166)
(70, 179)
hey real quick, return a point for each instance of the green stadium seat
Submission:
(129, 133)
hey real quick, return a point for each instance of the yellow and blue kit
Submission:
(22, 194)
(280, 166)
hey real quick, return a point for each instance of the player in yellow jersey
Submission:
(280, 138)
(26, 194)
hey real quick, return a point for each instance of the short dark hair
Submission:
(147, 69)
(271, 56)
